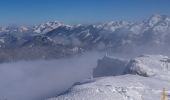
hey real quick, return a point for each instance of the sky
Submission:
(79, 11)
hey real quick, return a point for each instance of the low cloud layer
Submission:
(37, 80)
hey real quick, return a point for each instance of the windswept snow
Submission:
(125, 87)
(129, 86)
(150, 66)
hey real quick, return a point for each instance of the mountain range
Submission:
(56, 39)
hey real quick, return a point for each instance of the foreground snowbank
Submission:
(124, 87)
(150, 66)
(151, 76)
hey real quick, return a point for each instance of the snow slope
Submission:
(129, 86)
(125, 87)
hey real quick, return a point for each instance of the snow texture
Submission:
(129, 86)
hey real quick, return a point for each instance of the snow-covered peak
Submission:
(158, 20)
(23, 29)
(48, 26)
(78, 25)
(154, 19)
(137, 28)
(155, 23)
(3, 29)
(113, 25)
(167, 19)
(14, 29)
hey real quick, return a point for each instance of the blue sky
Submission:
(79, 11)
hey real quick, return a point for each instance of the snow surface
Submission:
(125, 87)
(150, 66)
(129, 86)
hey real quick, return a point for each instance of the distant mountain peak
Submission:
(48, 26)
(156, 19)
